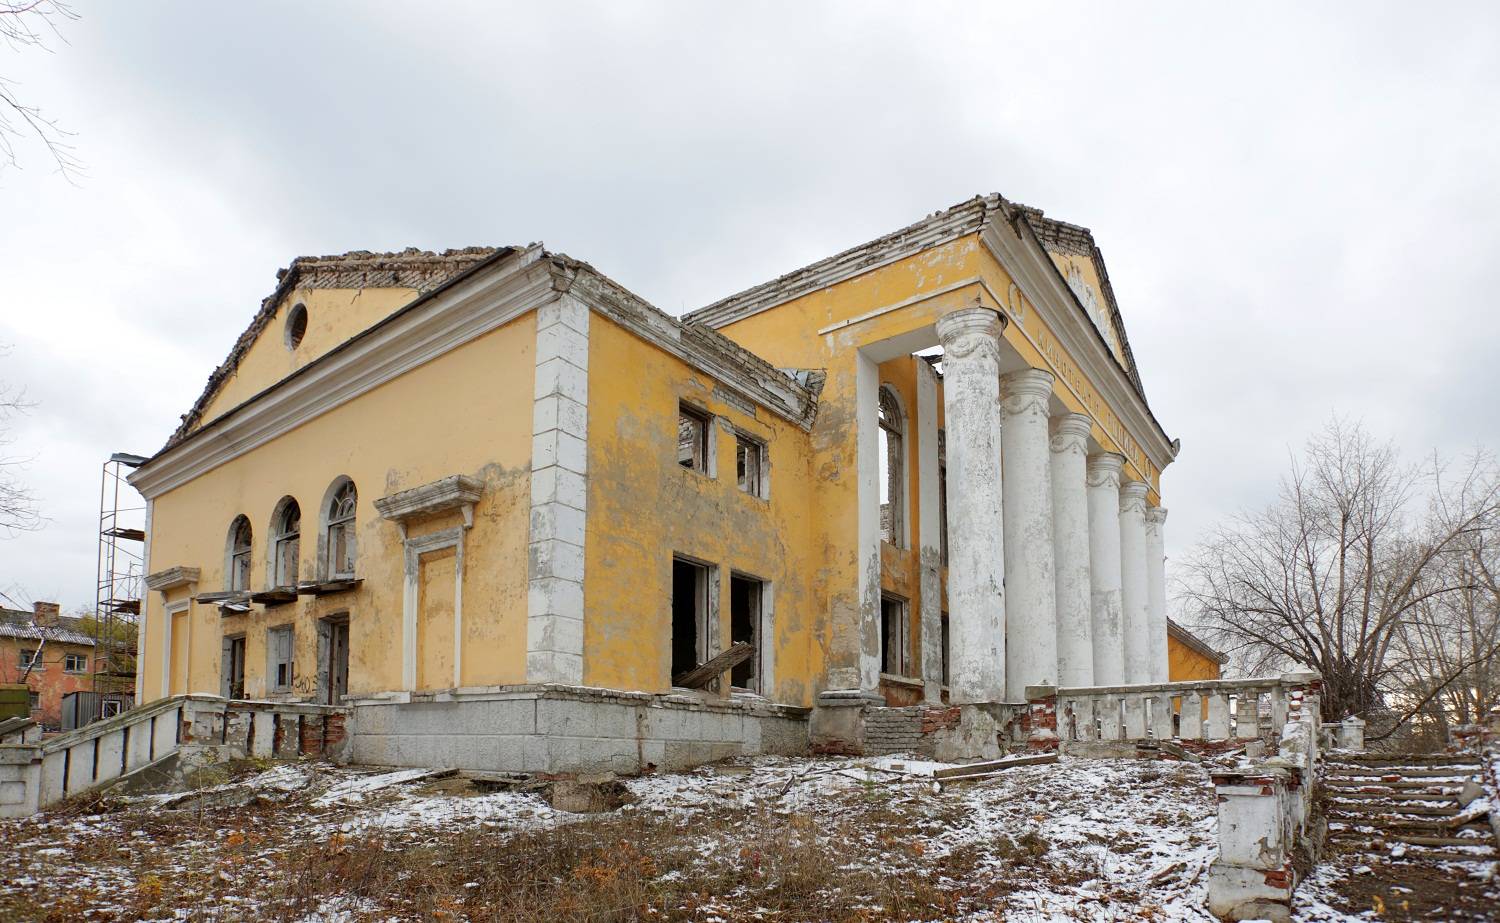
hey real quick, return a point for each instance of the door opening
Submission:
(746, 596)
(690, 582)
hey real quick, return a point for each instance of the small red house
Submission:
(48, 652)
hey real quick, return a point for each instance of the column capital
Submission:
(1155, 516)
(1133, 496)
(963, 332)
(1070, 433)
(1104, 469)
(1026, 391)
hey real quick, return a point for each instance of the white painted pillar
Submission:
(1104, 567)
(929, 534)
(867, 448)
(1134, 605)
(976, 543)
(1156, 593)
(1070, 543)
(1030, 577)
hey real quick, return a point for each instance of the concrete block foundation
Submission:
(548, 729)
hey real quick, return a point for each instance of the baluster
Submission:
(1278, 709)
(1135, 716)
(1192, 716)
(1217, 725)
(1107, 709)
(1161, 716)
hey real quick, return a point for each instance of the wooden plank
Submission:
(980, 769)
(704, 673)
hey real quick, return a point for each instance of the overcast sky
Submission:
(1299, 204)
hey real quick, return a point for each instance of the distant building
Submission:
(50, 653)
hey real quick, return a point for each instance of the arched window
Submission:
(286, 547)
(339, 535)
(892, 468)
(237, 574)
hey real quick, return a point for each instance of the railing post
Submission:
(1135, 716)
(1253, 876)
(1191, 725)
(1041, 706)
(1351, 734)
(1216, 727)
(1161, 716)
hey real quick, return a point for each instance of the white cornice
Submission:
(424, 330)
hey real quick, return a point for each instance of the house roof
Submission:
(17, 623)
(422, 270)
(1195, 643)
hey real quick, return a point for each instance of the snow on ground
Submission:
(770, 838)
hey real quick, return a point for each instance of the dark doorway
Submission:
(337, 666)
(689, 614)
(746, 596)
(234, 668)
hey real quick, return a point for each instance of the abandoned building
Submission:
(519, 519)
(49, 653)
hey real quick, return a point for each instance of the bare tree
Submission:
(32, 24)
(1340, 572)
(18, 512)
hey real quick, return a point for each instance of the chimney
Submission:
(46, 614)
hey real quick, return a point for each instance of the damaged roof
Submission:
(17, 623)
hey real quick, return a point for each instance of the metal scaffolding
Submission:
(122, 547)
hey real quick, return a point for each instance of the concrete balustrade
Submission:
(38, 773)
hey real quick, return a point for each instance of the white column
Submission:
(1030, 578)
(1070, 543)
(929, 538)
(1104, 567)
(976, 543)
(1134, 619)
(867, 575)
(1156, 592)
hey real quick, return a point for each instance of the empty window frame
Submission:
(75, 663)
(893, 636)
(237, 575)
(233, 684)
(747, 598)
(286, 550)
(281, 666)
(29, 657)
(892, 433)
(693, 431)
(750, 465)
(339, 538)
(691, 605)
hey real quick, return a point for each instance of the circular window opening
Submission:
(296, 326)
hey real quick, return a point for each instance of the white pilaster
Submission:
(1156, 592)
(867, 450)
(1104, 567)
(1070, 543)
(929, 539)
(1030, 578)
(1134, 617)
(976, 540)
(559, 494)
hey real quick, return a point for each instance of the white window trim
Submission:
(762, 490)
(171, 611)
(415, 548)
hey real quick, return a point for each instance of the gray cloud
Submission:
(1299, 205)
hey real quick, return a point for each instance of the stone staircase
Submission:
(1408, 807)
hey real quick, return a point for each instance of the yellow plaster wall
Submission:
(1184, 663)
(643, 507)
(466, 412)
(333, 316)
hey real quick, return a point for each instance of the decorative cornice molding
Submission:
(172, 578)
(455, 492)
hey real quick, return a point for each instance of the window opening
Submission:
(30, 657)
(288, 544)
(75, 663)
(296, 326)
(234, 667)
(283, 668)
(692, 438)
(689, 615)
(750, 465)
(892, 433)
(746, 616)
(893, 655)
(240, 548)
(341, 531)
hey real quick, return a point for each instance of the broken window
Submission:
(750, 465)
(75, 663)
(892, 433)
(690, 606)
(288, 545)
(340, 537)
(34, 700)
(29, 657)
(233, 685)
(943, 496)
(238, 575)
(893, 642)
(746, 600)
(282, 669)
(692, 438)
